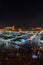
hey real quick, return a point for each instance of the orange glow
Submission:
(41, 31)
(1, 30)
(20, 30)
(13, 28)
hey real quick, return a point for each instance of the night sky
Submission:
(21, 13)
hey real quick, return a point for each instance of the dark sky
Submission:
(21, 13)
